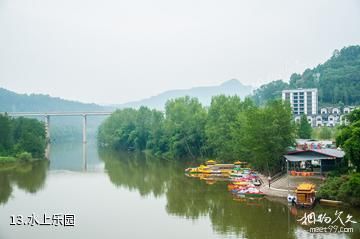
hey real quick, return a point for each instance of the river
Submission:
(133, 195)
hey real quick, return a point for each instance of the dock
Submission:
(281, 187)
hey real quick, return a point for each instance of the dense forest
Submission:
(338, 80)
(21, 138)
(230, 129)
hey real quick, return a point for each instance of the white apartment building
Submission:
(303, 101)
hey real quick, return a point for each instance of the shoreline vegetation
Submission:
(229, 129)
(22, 139)
(11, 159)
(344, 183)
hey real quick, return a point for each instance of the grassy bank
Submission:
(8, 159)
(18, 158)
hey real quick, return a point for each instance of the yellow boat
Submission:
(241, 183)
(191, 170)
(225, 171)
(234, 185)
(241, 164)
(211, 167)
(203, 169)
(210, 162)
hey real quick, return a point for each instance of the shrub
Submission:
(345, 188)
(24, 156)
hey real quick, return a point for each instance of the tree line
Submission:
(345, 183)
(229, 129)
(21, 138)
(348, 139)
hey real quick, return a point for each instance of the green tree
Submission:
(304, 128)
(345, 188)
(221, 126)
(116, 130)
(184, 124)
(231, 129)
(157, 141)
(269, 131)
(349, 139)
(22, 136)
(325, 133)
(143, 123)
(29, 136)
(5, 134)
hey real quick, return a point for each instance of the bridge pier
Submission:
(47, 128)
(84, 157)
(47, 115)
(84, 128)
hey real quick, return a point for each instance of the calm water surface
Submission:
(130, 195)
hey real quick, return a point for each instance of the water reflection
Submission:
(75, 156)
(136, 171)
(192, 198)
(84, 154)
(128, 175)
(28, 176)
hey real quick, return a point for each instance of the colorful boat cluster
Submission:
(243, 181)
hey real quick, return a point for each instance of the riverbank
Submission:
(7, 159)
(272, 191)
(284, 185)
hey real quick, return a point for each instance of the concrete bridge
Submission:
(47, 116)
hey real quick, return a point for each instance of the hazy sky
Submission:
(114, 51)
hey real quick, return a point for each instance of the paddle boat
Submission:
(236, 174)
(202, 169)
(210, 162)
(191, 170)
(241, 164)
(211, 167)
(239, 185)
(256, 182)
(250, 192)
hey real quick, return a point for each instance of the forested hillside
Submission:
(11, 101)
(338, 80)
(61, 128)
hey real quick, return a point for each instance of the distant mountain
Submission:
(63, 128)
(11, 101)
(204, 94)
